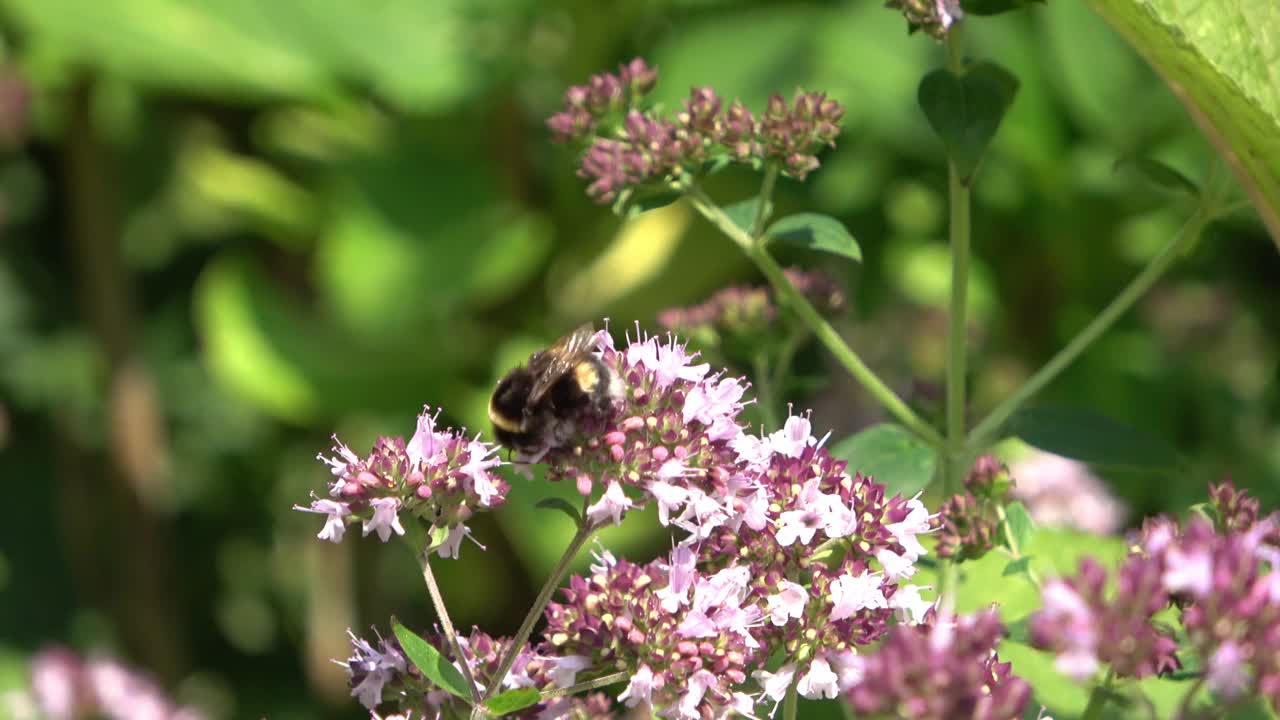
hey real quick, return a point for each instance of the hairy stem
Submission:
(1098, 698)
(814, 321)
(766, 392)
(953, 458)
(539, 605)
(791, 706)
(986, 431)
(588, 685)
(437, 601)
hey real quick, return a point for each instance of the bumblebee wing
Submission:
(559, 359)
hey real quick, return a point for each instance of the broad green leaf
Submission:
(1161, 174)
(1021, 526)
(890, 454)
(1092, 438)
(816, 232)
(965, 110)
(1052, 553)
(513, 700)
(743, 214)
(1017, 567)
(1222, 59)
(433, 665)
(564, 506)
(650, 201)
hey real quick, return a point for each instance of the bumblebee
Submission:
(540, 405)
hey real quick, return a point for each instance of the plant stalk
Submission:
(539, 605)
(588, 685)
(814, 320)
(791, 706)
(986, 431)
(953, 459)
(437, 600)
(1098, 698)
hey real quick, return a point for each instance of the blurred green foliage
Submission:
(231, 227)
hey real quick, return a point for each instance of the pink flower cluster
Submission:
(1223, 579)
(628, 148)
(380, 673)
(65, 686)
(439, 476)
(788, 570)
(945, 670)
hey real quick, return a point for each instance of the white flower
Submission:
(896, 567)
(1190, 571)
(913, 607)
(849, 594)
(564, 670)
(789, 602)
(639, 689)
(386, 518)
(612, 504)
(819, 682)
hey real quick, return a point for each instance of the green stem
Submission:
(791, 706)
(588, 685)
(1188, 700)
(1098, 698)
(813, 320)
(955, 456)
(765, 208)
(1015, 550)
(437, 600)
(765, 393)
(539, 605)
(985, 432)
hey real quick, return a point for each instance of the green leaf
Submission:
(1092, 438)
(1220, 57)
(564, 506)
(995, 7)
(433, 665)
(890, 454)
(1017, 567)
(816, 232)
(1021, 526)
(743, 214)
(513, 700)
(966, 110)
(650, 201)
(1161, 175)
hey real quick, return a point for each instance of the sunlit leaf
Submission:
(1020, 525)
(1222, 59)
(891, 455)
(966, 110)
(429, 660)
(513, 700)
(816, 232)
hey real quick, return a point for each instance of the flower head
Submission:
(438, 475)
(946, 669)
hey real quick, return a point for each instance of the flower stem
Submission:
(791, 706)
(813, 320)
(438, 602)
(1098, 698)
(765, 208)
(985, 432)
(766, 391)
(539, 605)
(953, 459)
(588, 685)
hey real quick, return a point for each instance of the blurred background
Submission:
(231, 228)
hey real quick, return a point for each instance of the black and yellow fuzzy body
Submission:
(539, 406)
